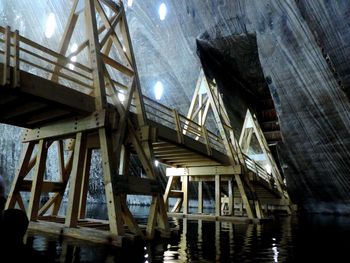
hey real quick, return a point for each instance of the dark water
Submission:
(311, 238)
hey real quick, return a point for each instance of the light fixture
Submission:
(74, 48)
(268, 168)
(156, 163)
(158, 90)
(130, 3)
(162, 11)
(50, 25)
(70, 65)
(121, 97)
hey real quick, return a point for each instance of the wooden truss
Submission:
(112, 66)
(252, 128)
(207, 98)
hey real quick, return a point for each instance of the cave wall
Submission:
(303, 48)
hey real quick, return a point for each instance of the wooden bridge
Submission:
(83, 106)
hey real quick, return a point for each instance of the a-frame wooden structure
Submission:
(250, 129)
(207, 98)
(109, 129)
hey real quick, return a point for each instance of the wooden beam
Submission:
(66, 128)
(38, 177)
(76, 179)
(200, 197)
(204, 170)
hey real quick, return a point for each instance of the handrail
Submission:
(43, 58)
(20, 51)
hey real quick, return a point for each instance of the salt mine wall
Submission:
(301, 47)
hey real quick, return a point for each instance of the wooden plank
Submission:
(200, 197)
(95, 55)
(185, 181)
(217, 195)
(109, 167)
(7, 55)
(21, 172)
(83, 233)
(75, 181)
(204, 170)
(85, 183)
(230, 197)
(16, 58)
(152, 218)
(66, 37)
(66, 128)
(33, 206)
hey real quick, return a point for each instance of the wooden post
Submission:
(85, 180)
(37, 181)
(76, 179)
(16, 60)
(7, 56)
(230, 197)
(200, 197)
(217, 195)
(185, 180)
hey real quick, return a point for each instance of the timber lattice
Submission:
(76, 107)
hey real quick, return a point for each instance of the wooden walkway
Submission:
(56, 99)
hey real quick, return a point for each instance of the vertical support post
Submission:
(113, 201)
(230, 197)
(200, 197)
(16, 59)
(7, 55)
(76, 181)
(217, 195)
(185, 180)
(206, 139)
(37, 182)
(85, 186)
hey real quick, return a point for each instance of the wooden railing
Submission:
(257, 169)
(23, 54)
(185, 127)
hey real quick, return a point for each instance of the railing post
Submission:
(16, 59)
(180, 138)
(206, 139)
(7, 50)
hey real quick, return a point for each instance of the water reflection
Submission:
(296, 239)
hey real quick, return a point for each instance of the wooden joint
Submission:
(66, 128)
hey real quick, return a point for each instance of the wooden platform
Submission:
(38, 101)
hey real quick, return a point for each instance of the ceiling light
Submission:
(74, 48)
(156, 163)
(130, 3)
(162, 11)
(268, 168)
(50, 25)
(158, 90)
(121, 97)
